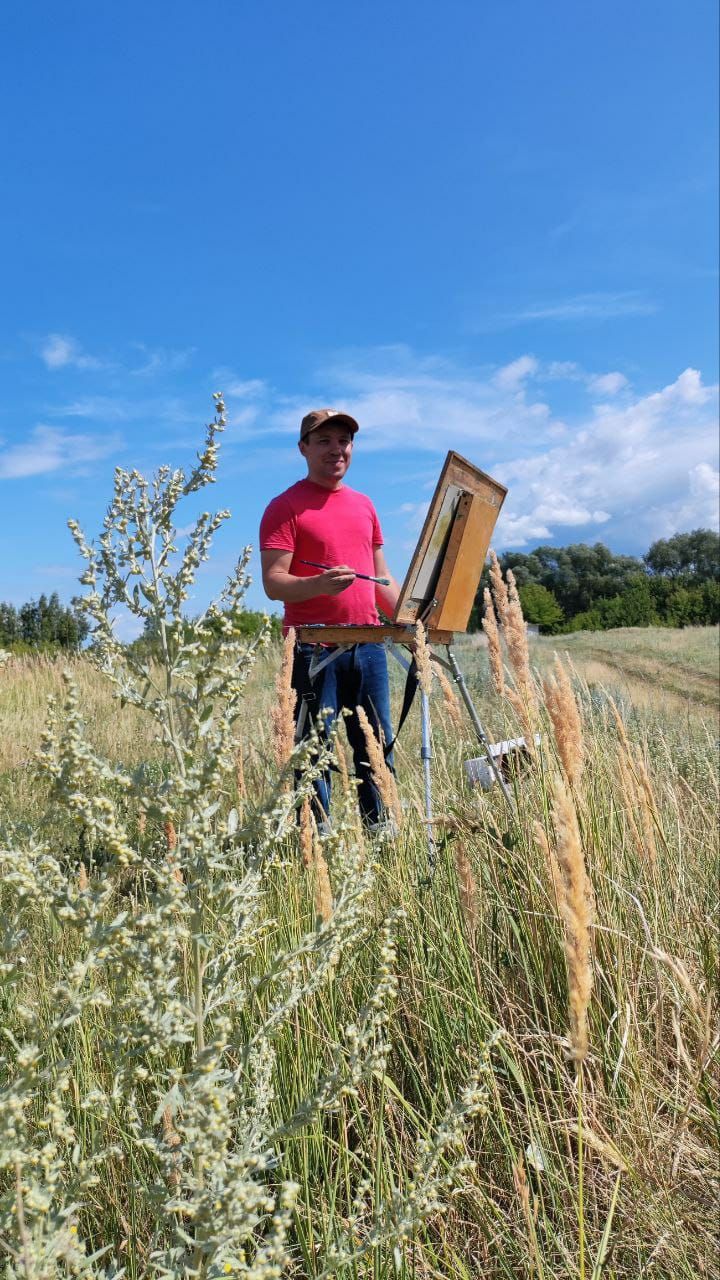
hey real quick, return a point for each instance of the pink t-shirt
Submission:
(330, 526)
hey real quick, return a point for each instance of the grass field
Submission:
(603, 1165)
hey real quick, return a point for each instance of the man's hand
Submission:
(281, 584)
(335, 580)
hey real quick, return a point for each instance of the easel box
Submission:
(444, 574)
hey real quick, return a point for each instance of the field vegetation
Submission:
(230, 1048)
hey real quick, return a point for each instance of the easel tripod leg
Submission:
(426, 756)
(477, 725)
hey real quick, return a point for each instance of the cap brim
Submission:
(333, 421)
(342, 417)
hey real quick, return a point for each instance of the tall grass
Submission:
(576, 935)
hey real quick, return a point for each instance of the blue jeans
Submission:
(358, 677)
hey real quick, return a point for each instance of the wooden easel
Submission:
(439, 591)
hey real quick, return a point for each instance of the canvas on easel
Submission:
(444, 573)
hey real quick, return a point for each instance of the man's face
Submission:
(327, 451)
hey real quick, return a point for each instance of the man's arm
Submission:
(385, 597)
(280, 584)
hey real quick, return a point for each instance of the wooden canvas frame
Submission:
(444, 573)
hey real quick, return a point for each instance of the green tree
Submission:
(10, 630)
(540, 607)
(695, 554)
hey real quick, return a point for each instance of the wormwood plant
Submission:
(144, 992)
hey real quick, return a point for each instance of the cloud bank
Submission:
(626, 466)
(49, 450)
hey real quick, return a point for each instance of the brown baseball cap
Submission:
(318, 418)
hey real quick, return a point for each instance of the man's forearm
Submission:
(289, 589)
(386, 598)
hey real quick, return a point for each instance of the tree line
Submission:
(576, 588)
(43, 624)
(590, 588)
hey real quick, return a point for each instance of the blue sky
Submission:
(481, 226)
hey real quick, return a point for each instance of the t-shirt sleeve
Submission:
(377, 538)
(278, 527)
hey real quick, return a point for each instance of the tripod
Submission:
(330, 641)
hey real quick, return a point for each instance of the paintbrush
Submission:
(382, 582)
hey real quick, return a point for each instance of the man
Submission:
(323, 520)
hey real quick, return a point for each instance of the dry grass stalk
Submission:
(490, 627)
(342, 764)
(576, 911)
(323, 888)
(172, 1140)
(637, 791)
(381, 774)
(423, 660)
(523, 698)
(516, 639)
(142, 823)
(82, 877)
(627, 791)
(283, 709)
(566, 721)
(550, 860)
(171, 843)
(240, 773)
(530, 1214)
(499, 589)
(467, 889)
(527, 724)
(306, 833)
(450, 700)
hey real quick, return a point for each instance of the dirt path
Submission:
(673, 677)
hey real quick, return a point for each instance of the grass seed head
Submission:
(423, 660)
(381, 774)
(323, 887)
(283, 710)
(451, 703)
(566, 721)
(576, 910)
(490, 627)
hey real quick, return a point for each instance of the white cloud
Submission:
(607, 384)
(698, 507)
(159, 360)
(251, 389)
(628, 469)
(642, 470)
(587, 306)
(563, 370)
(106, 408)
(402, 401)
(48, 450)
(59, 351)
(511, 376)
(603, 384)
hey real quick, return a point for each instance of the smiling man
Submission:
(321, 519)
